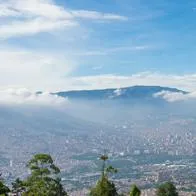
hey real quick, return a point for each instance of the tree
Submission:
(43, 180)
(104, 158)
(45, 187)
(42, 165)
(4, 190)
(18, 186)
(167, 189)
(135, 191)
(104, 186)
(109, 169)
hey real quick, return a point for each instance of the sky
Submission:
(59, 45)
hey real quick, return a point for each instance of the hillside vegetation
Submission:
(44, 181)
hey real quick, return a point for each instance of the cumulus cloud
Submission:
(51, 73)
(24, 96)
(175, 96)
(32, 69)
(27, 17)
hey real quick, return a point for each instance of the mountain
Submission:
(128, 93)
(37, 120)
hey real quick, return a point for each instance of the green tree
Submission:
(104, 186)
(43, 180)
(135, 191)
(45, 187)
(18, 186)
(167, 189)
(42, 165)
(4, 190)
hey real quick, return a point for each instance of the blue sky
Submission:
(86, 44)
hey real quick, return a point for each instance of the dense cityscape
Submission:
(145, 158)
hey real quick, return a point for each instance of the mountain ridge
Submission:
(131, 92)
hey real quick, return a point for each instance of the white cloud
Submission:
(96, 15)
(108, 51)
(24, 96)
(6, 11)
(39, 8)
(50, 72)
(48, 9)
(175, 96)
(184, 82)
(30, 27)
(27, 17)
(32, 69)
(118, 92)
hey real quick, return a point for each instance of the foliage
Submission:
(111, 170)
(167, 189)
(42, 165)
(135, 191)
(18, 186)
(104, 188)
(4, 190)
(45, 187)
(43, 180)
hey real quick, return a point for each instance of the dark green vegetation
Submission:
(4, 190)
(44, 181)
(104, 187)
(135, 191)
(167, 189)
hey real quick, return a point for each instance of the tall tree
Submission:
(135, 191)
(42, 165)
(104, 186)
(43, 180)
(167, 189)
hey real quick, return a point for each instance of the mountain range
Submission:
(128, 93)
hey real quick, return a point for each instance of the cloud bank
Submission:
(32, 69)
(175, 96)
(26, 97)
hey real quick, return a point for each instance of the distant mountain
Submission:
(128, 93)
(37, 120)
